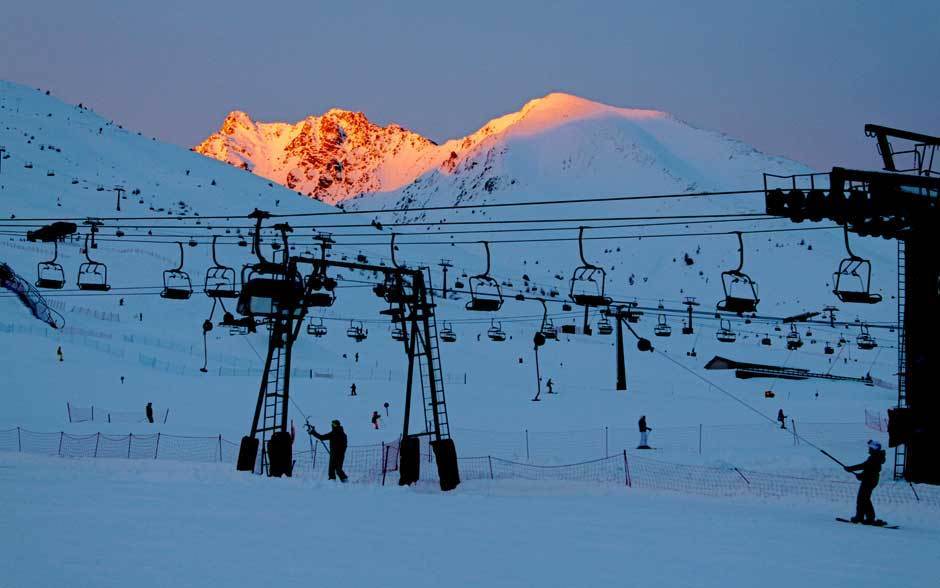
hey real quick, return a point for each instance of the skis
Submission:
(877, 523)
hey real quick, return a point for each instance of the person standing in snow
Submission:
(337, 439)
(549, 385)
(868, 473)
(150, 412)
(375, 419)
(59, 353)
(644, 434)
(782, 419)
(352, 390)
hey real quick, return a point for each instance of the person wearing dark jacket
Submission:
(149, 411)
(337, 439)
(782, 419)
(868, 473)
(644, 434)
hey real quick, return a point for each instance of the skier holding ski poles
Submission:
(337, 439)
(868, 473)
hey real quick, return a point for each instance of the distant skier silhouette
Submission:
(352, 390)
(150, 412)
(644, 434)
(376, 417)
(782, 419)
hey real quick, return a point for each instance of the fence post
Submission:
(166, 415)
(490, 459)
(68, 407)
(700, 438)
(156, 449)
(97, 440)
(527, 445)
(606, 450)
(92, 412)
(314, 448)
(19, 442)
(130, 439)
(796, 439)
(61, 434)
(384, 461)
(626, 470)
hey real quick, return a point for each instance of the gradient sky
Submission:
(798, 79)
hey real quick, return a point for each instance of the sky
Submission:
(798, 79)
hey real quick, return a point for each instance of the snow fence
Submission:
(378, 464)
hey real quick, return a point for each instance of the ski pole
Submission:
(826, 453)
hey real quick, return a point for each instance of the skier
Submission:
(59, 353)
(549, 385)
(782, 419)
(337, 439)
(375, 419)
(870, 473)
(357, 357)
(644, 434)
(352, 390)
(150, 412)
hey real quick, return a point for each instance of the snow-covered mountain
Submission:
(555, 145)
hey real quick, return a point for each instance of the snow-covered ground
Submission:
(107, 523)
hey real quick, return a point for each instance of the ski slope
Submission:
(120, 356)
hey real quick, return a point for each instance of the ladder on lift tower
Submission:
(273, 400)
(429, 362)
(900, 451)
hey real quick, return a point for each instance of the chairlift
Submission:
(740, 290)
(399, 334)
(852, 281)
(447, 334)
(49, 273)
(864, 340)
(604, 327)
(176, 282)
(725, 334)
(270, 289)
(547, 328)
(220, 279)
(662, 328)
(765, 341)
(794, 341)
(316, 329)
(687, 328)
(495, 332)
(588, 280)
(458, 285)
(485, 294)
(569, 329)
(356, 331)
(92, 275)
(828, 350)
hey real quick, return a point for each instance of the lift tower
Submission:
(280, 294)
(901, 203)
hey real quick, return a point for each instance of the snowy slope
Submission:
(159, 356)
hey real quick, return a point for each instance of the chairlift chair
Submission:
(547, 328)
(220, 279)
(852, 281)
(447, 334)
(92, 275)
(604, 327)
(495, 332)
(485, 293)
(316, 329)
(864, 340)
(765, 341)
(662, 328)
(49, 273)
(588, 281)
(794, 341)
(356, 331)
(399, 334)
(828, 350)
(725, 334)
(176, 282)
(740, 290)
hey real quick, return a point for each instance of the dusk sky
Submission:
(798, 79)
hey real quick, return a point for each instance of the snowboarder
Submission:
(150, 412)
(870, 473)
(375, 419)
(782, 419)
(644, 434)
(337, 439)
(58, 352)
(352, 390)
(549, 385)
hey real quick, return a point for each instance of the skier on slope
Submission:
(644, 434)
(376, 417)
(149, 411)
(337, 439)
(782, 419)
(870, 472)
